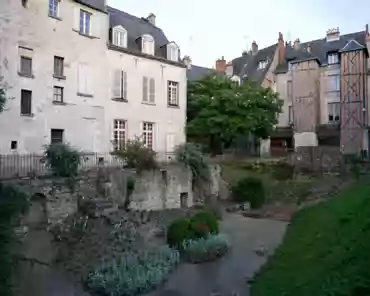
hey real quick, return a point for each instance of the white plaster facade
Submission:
(87, 119)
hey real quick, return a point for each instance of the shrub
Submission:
(282, 171)
(136, 155)
(12, 204)
(133, 274)
(179, 231)
(206, 222)
(250, 190)
(62, 159)
(190, 155)
(205, 249)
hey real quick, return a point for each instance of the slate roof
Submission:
(95, 4)
(136, 27)
(320, 49)
(246, 66)
(196, 73)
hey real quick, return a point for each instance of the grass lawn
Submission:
(326, 251)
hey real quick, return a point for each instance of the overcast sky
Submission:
(207, 30)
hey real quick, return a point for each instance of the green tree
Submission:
(3, 87)
(220, 110)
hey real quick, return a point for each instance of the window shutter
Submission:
(116, 90)
(124, 77)
(145, 89)
(95, 26)
(88, 80)
(81, 78)
(76, 18)
(152, 90)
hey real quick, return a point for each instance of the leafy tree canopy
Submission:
(219, 108)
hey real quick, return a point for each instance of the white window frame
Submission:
(54, 8)
(119, 133)
(119, 91)
(85, 29)
(148, 90)
(262, 64)
(336, 83)
(58, 94)
(119, 36)
(334, 112)
(290, 66)
(173, 52)
(148, 44)
(290, 114)
(333, 58)
(148, 130)
(172, 93)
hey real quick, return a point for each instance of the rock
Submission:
(261, 251)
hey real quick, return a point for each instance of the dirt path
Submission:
(228, 276)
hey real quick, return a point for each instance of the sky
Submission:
(207, 30)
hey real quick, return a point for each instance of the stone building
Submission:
(324, 87)
(81, 72)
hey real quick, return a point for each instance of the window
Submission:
(148, 134)
(173, 93)
(333, 112)
(119, 85)
(58, 94)
(290, 110)
(333, 83)
(119, 133)
(333, 58)
(56, 136)
(173, 52)
(26, 97)
(13, 145)
(262, 64)
(147, 44)
(58, 66)
(148, 89)
(85, 24)
(289, 90)
(53, 8)
(26, 66)
(290, 66)
(119, 36)
(84, 80)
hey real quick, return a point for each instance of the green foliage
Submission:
(136, 155)
(12, 204)
(179, 231)
(133, 274)
(354, 162)
(250, 189)
(63, 160)
(325, 251)
(190, 155)
(205, 249)
(207, 219)
(2, 99)
(220, 110)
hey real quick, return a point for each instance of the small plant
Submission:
(179, 231)
(207, 221)
(205, 249)
(134, 274)
(136, 155)
(190, 155)
(250, 190)
(63, 160)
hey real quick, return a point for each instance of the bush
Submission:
(12, 204)
(136, 155)
(206, 222)
(133, 274)
(250, 190)
(179, 231)
(282, 171)
(62, 159)
(205, 249)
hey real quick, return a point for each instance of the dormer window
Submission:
(290, 66)
(54, 8)
(119, 36)
(262, 64)
(147, 44)
(172, 52)
(333, 58)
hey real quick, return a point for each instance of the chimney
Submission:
(281, 48)
(151, 18)
(309, 48)
(297, 44)
(332, 34)
(187, 61)
(254, 48)
(221, 65)
(244, 53)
